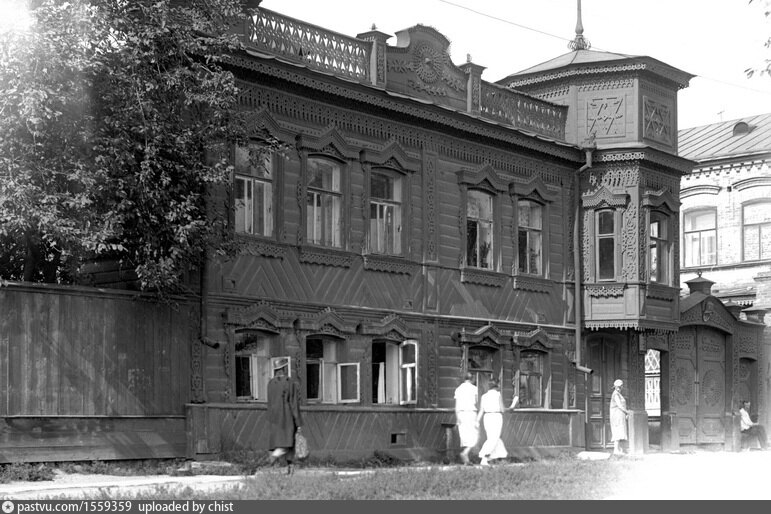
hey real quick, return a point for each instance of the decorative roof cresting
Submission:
(580, 42)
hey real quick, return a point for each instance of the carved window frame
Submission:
(487, 339)
(535, 191)
(486, 180)
(664, 245)
(270, 163)
(333, 147)
(604, 200)
(391, 160)
(662, 204)
(537, 342)
(392, 331)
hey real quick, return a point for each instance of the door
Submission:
(698, 382)
(604, 357)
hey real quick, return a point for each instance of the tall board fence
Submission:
(92, 374)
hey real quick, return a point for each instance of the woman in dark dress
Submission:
(284, 417)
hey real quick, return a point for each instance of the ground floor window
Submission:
(328, 380)
(254, 366)
(394, 372)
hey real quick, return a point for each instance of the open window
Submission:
(394, 372)
(254, 365)
(660, 248)
(328, 378)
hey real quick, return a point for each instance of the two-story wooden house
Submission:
(427, 222)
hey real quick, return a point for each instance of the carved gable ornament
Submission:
(330, 143)
(488, 335)
(392, 156)
(534, 189)
(711, 312)
(391, 328)
(537, 339)
(604, 197)
(658, 199)
(261, 123)
(484, 176)
(420, 65)
(326, 322)
(260, 316)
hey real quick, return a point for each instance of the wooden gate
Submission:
(604, 357)
(699, 384)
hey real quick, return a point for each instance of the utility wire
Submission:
(509, 22)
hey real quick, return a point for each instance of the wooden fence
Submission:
(92, 374)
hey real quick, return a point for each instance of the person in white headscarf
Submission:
(466, 416)
(618, 415)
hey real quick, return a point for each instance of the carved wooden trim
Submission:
(604, 197)
(325, 256)
(260, 316)
(487, 335)
(483, 277)
(391, 327)
(266, 248)
(484, 174)
(389, 264)
(605, 290)
(534, 188)
(661, 292)
(537, 339)
(325, 322)
(536, 284)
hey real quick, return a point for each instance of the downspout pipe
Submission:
(577, 256)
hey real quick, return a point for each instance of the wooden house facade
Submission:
(421, 223)
(426, 223)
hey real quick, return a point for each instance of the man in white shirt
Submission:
(465, 416)
(749, 427)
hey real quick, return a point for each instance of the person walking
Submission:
(284, 418)
(618, 415)
(465, 416)
(491, 414)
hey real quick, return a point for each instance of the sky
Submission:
(716, 40)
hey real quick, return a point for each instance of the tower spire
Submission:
(580, 42)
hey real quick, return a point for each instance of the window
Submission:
(660, 248)
(700, 237)
(327, 379)
(385, 214)
(653, 383)
(254, 367)
(324, 203)
(253, 191)
(756, 221)
(606, 245)
(482, 362)
(530, 237)
(531, 366)
(479, 230)
(394, 372)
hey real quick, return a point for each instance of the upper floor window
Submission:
(700, 237)
(660, 246)
(479, 229)
(253, 191)
(385, 213)
(530, 237)
(605, 244)
(327, 379)
(531, 378)
(324, 203)
(254, 366)
(756, 220)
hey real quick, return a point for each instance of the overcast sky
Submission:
(716, 40)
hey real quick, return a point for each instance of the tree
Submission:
(115, 117)
(765, 66)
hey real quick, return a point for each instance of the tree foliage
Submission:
(114, 120)
(763, 68)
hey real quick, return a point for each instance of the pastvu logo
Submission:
(7, 506)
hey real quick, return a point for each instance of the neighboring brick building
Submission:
(726, 209)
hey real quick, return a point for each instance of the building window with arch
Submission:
(254, 365)
(700, 237)
(605, 244)
(328, 380)
(530, 237)
(756, 231)
(385, 213)
(324, 202)
(484, 363)
(660, 248)
(479, 229)
(394, 372)
(253, 195)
